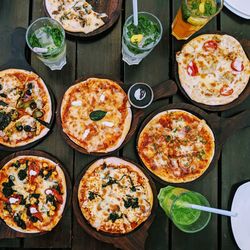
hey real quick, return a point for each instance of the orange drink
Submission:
(193, 15)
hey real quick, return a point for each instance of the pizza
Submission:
(176, 146)
(213, 69)
(25, 108)
(32, 194)
(96, 115)
(115, 196)
(75, 15)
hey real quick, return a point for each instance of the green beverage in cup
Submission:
(46, 38)
(138, 41)
(175, 202)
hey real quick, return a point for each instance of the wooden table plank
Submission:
(12, 14)
(152, 70)
(206, 185)
(100, 56)
(235, 154)
(59, 81)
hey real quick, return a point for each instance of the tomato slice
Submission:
(210, 46)
(192, 69)
(226, 90)
(33, 171)
(36, 214)
(237, 65)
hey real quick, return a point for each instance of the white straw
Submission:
(212, 210)
(135, 12)
(40, 50)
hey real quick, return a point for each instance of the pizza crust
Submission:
(214, 69)
(161, 172)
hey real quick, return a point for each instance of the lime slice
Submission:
(197, 21)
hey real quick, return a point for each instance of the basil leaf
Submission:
(97, 115)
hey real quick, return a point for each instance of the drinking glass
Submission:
(46, 38)
(175, 202)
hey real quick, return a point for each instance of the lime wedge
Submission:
(197, 21)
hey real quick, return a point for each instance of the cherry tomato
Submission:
(192, 69)
(210, 46)
(226, 91)
(37, 214)
(237, 65)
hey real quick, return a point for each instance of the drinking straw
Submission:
(40, 50)
(212, 210)
(135, 12)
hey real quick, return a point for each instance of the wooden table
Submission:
(103, 56)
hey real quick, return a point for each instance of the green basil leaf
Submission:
(97, 115)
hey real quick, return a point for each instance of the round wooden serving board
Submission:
(112, 8)
(17, 60)
(5, 231)
(222, 128)
(131, 241)
(244, 94)
(162, 90)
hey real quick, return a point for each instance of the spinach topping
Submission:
(19, 221)
(33, 219)
(111, 181)
(16, 164)
(46, 176)
(4, 120)
(58, 189)
(114, 216)
(7, 188)
(168, 138)
(3, 95)
(97, 115)
(4, 104)
(50, 198)
(8, 207)
(131, 202)
(92, 195)
(22, 174)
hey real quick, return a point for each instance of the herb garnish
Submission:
(114, 216)
(97, 115)
(131, 202)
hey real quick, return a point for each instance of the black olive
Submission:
(19, 128)
(28, 92)
(27, 128)
(30, 86)
(4, 120)
(33, 105)
(4, 104)
(3, 95)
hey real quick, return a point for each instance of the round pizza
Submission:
(96, 115)
(176, 146)
(115, 196)
(32, 194)
(213, 69)
(25, 108)
(75, 15)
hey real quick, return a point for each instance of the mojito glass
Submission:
(175, 201)
(193, 15)
(46, 38)
(139, 41)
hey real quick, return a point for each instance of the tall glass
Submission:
(193, 15)
(175, 201)
(138, 42)
(46, 38)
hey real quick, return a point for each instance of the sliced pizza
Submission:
(115, 196)
(25, 107)
(75, 15)
(213, 69)
(32, 194)
(96, 115)
(176, 146)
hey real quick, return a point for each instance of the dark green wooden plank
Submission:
(206, 185)
(235, 154)
(101, 56)
(12, 14)
(152, 70)
(59, 81)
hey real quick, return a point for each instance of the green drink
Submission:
(46, 38)
(175, 202)
(138, 41)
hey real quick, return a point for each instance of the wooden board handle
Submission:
(164, 89)
(231, 125)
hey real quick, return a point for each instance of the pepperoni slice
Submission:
(192, 69)
(226, 90)
(210, 46)
(237, 65)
